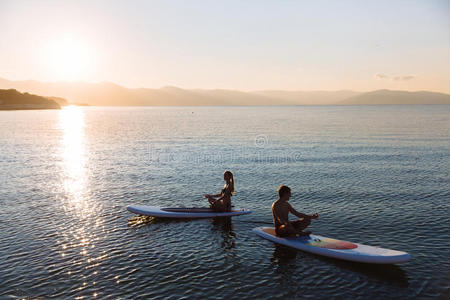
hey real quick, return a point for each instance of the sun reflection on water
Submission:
(72, 123)
(79, 231)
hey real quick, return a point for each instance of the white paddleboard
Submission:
(336, 248)
(183, 212)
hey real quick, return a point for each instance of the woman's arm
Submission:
(213, 196)
(220, 198)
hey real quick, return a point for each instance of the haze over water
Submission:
(377, 175)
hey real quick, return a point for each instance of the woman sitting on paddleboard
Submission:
(222, 202)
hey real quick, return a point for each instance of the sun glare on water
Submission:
(68, 59)
(73, 154)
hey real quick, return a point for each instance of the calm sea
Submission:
(377, 175)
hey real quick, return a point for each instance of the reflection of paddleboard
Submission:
(335, 248)
(183, 212)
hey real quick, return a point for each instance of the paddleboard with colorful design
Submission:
(336, 248)
(183, 212)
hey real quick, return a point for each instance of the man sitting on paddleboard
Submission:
(281, 209)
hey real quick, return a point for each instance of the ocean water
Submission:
(377, 175)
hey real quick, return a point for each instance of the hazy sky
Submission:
(246, 45)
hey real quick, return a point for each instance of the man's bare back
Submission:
(280, 211)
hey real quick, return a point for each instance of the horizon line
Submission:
(212, 89)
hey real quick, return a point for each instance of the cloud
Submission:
(394, 78)
(403, 78)
(381, 76)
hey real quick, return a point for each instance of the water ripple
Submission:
(375, 176)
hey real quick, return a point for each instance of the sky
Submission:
(243, 45)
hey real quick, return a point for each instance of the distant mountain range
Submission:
(381, 97)
(110, 94)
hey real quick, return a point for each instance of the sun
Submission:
(69, 59)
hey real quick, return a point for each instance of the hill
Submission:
(309, 97)
(383, 97)
(12, 99)
(59, 100)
